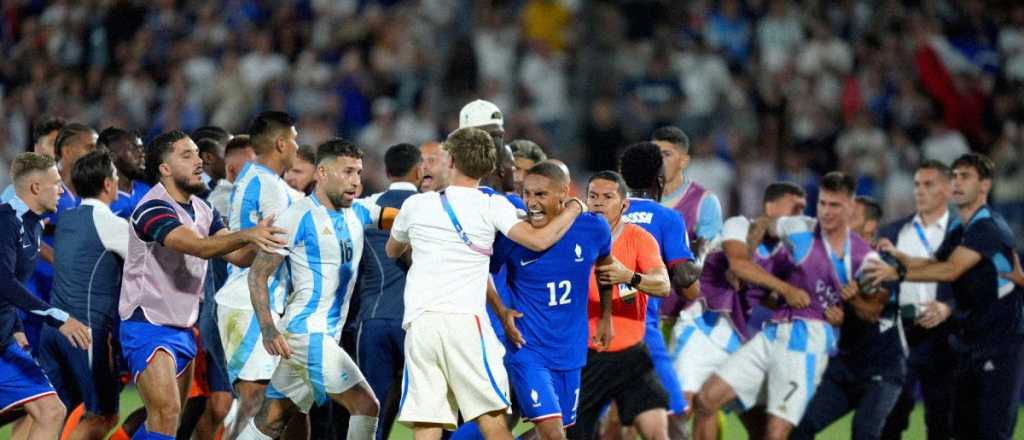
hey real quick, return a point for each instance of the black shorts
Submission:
(626, 377)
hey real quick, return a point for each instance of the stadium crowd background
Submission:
(767, 89)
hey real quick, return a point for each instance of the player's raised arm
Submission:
(539, 239)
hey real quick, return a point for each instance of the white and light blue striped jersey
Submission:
(258, 193)
(323, 252)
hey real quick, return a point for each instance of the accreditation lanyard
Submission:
(842, 263)
(923, 238)
(458, 227)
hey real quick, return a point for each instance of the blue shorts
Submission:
(666, 373)
(543, 393)
(21, 378)
(97, 386)
(140, 341)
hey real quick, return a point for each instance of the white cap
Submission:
(479, 113)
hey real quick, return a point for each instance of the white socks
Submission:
(362, 428)
(250, 432)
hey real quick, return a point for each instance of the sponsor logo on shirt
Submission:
(639, 217)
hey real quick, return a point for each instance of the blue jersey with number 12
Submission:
(550, 288)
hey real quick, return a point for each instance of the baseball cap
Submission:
(479, 113)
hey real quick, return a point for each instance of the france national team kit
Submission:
(669, 230)
(550, 288)
(323, 252)
(259, 193)
(501, 276)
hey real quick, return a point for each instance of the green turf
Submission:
(733, 430)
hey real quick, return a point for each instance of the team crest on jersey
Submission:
(535, 397)
(579, 253)
(326, 231)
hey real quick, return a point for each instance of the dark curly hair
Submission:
(641, 167)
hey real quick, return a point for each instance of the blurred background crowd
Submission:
(766, 89)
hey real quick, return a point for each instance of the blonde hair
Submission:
(28, 163)
(472, 152)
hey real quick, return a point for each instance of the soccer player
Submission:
(172, 234)
(867, 373)
(381, 340)
(37, 188)
(525, 154)
(325, 244)
(987, 332)
(90, 246)
(453, 360)
(642, 167)
(707, 334)
(925, 307)
(787, 358)
(434, 170)
(487, 117)
(700, 208)
(237, 153)
(547, 293)
(73, 141)
(126, 148)
(622, 371)
(259, 193)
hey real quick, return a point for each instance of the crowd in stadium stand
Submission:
(767, 89)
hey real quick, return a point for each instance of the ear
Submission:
(165, 170)
(35, 187)
(986, 186)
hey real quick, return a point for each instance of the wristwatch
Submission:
(635, 281)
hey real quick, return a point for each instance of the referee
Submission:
(987, 334)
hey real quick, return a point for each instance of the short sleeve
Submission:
(155, 219)
(216, 222)
(603, 237)
(674, 239)
(290, 221)
(648, 253)
(735, 228)
(400, 229)
(368, 210)
(797, 233)
(709, 220)
(984, 238)
(503, 214)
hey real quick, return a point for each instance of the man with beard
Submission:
(325, 230)
(988, 329)
(173, 233)
(126, 148)
(260, 193)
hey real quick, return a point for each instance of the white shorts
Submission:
(786, 358)
(317, 368)
(244, 353)
(703, 343)
(453, 363)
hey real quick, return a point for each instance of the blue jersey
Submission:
(550, 288)
(669, 230)
(125, 203)
(500, 277)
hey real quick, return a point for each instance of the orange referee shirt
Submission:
(636, 249)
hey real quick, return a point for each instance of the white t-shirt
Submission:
(447, 275)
